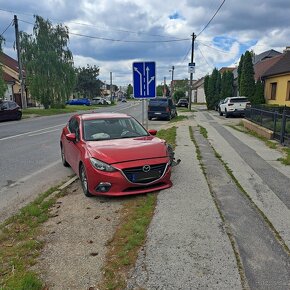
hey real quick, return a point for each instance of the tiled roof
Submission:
(9, 61)
(8, 78)
(282, 66)
(261, 67)
(265, 55)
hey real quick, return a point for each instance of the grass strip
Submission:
(130, 235)
(19, 244)
(178, 118)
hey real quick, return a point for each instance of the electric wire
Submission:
(212, 18)
(211, 66)
(6, 28)
(91, 25)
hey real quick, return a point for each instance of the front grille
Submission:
(137, 175)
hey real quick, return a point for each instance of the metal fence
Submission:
(276, 119)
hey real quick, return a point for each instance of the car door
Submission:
(4, 111)
(72, 151)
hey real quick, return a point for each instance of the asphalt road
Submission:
(30, 158)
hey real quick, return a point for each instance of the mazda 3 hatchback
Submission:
(113, 154)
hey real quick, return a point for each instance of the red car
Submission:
(113, 154)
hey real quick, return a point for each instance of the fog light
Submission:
(103, 187)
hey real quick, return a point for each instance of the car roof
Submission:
(104, 115)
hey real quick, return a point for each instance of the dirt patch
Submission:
(75, 239)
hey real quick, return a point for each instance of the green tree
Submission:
(129, 90)
(213, 89)
(180, 94)
(205, 85)
(3, 86)
(259, 94)
(161, 90)
(247, 85)
(240, 68)
(50, 75)
(227, 85)
(87, 83)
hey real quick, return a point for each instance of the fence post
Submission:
(283, 126)
(275, 123)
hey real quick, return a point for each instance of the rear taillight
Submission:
(230, 104)
(167, 109)
(248, 105)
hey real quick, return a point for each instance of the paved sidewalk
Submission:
(187, 247)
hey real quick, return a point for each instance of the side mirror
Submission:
(152, 132)
(71, 137)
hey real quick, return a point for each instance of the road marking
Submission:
(28, 133)
(36, 134)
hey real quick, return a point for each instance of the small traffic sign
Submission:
(144, 80)
(191, 67)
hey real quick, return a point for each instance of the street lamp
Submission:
(171, 85)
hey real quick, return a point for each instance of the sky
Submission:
(112, 34)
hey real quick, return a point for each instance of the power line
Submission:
(91, 25)
(219, 50)
(211, 66)
(7, 28)
(212, 18)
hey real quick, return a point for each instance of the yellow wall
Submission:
(14, 74)
(281, 81)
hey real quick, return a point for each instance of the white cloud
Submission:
(238, 26)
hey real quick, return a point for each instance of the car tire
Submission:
(64, 162)
(220, 112)
(227, 114)
(84, 181)
(19, 116)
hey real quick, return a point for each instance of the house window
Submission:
(288, 91)
(273, 91)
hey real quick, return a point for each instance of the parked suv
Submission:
(182, 103)
(234, 106)
(161, 108)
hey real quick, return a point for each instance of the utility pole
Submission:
(111, 86)
(23, 98)
(191, 73)
(164, 87)
(172, 86)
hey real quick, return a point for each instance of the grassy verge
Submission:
(50, 112)
(178, 118)
(19, 244)
(131, 233)
(271, 144)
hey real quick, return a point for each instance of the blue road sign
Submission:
(144, 80)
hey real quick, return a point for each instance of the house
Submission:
(11, 77)
(277, 81)
(198, 91)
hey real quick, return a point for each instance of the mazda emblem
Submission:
(146, 168)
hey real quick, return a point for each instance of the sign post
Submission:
(144, 83)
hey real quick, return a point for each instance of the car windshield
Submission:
(239, 100)
(112, 128)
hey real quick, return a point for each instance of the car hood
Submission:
(120, 150)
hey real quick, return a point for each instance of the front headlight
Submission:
(102, 165)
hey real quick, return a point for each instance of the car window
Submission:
(73, 125)
(4, 106)
(12, 105)
(239, 100)
(114, 128)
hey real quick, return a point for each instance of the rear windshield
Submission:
(239, 100)
(158, 102)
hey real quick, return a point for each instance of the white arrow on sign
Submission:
(140, 79)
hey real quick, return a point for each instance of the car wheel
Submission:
(221, 113)
(19, 115)
(84, 181)
(64, 162)
(227, 114)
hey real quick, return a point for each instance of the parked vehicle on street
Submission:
(234, 106)
(161, 108)
(182, 103)
(113, 154)
(83, 101)
(9, 110)
(100, 101)
(217, 105)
